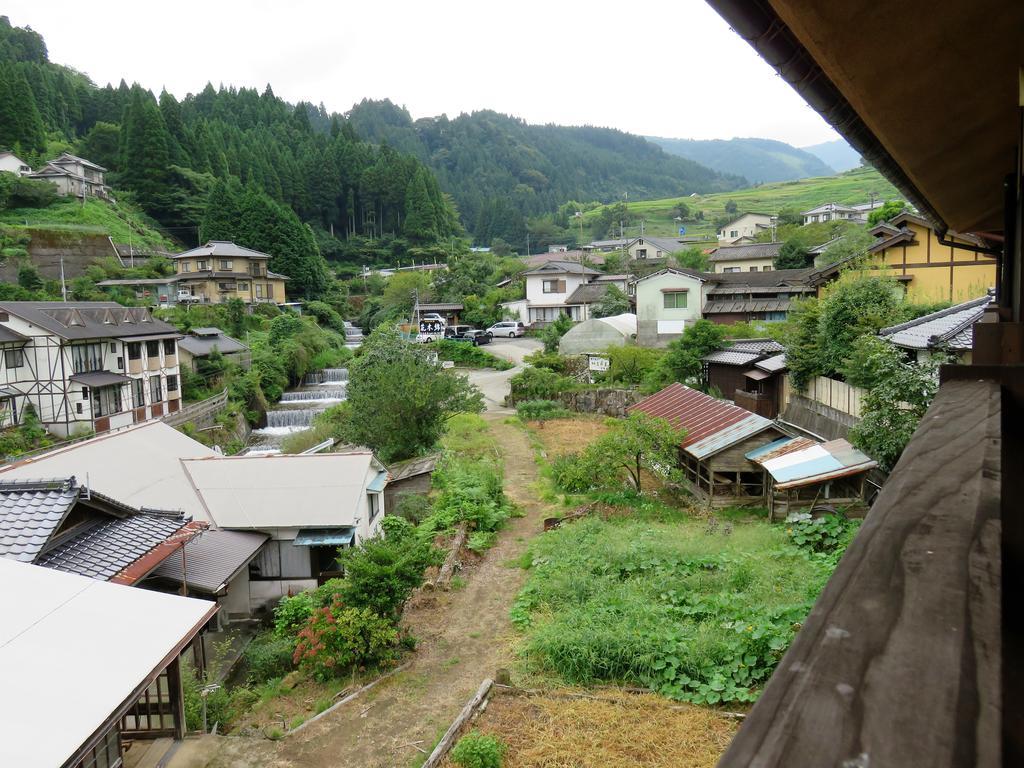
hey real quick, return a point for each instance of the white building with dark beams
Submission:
(86, 366)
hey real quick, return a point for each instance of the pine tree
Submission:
(145, 154)
(419, 211)
(223, 217)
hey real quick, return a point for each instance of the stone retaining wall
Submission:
(607, 402)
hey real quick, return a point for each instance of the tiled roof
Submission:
(556, 266)
(749, 305)
(951, 328)
(29, 514)
(588, 293)
(213, 559)
(743, 252)
(757, 345)
(711, 425)
(221, 249)
(110, 546)
(731, 357)
(89, 319)
(202, 344)
(772, 364)
(773, 277)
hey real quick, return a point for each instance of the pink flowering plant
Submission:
(337, 638)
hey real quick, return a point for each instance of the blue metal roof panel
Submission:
(765, 449)
(809, 468)
(729, 435)
(318, 537)
(378, 483)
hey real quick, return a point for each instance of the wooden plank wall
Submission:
(899, 662)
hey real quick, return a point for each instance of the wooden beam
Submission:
(899, 661)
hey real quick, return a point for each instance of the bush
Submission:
(413, 507)
(476, 750)
(464, 354)
(631, 365)
(827, 533)
(269, 656)
(541, 410)
(553, 332)
(471, 492)
(573, 473)
(336, 639)
(381, 573)
(292, 613)
(538, 384)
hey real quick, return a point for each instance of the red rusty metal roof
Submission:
(711, 425)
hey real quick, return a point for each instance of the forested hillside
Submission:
(757, 160)
(294, 165)
(496, 166)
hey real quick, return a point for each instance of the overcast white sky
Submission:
(656, 67)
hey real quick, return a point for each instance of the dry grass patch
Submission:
(613, 730)
(567, 435)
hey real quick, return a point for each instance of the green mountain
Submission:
(759, 160)
(484, 157)
(838, 154)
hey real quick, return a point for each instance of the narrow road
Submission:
(464, 636)
(495, 384)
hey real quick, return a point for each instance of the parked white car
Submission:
(184, 297)
(507, 328)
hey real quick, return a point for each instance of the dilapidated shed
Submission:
(802, 473)
(718, 437)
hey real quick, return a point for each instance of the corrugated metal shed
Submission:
(795, 463)
(213, 559)
(711, 425)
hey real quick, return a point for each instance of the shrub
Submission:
(573, 473)
(269, 656)
(464, 354)
(292, 613)
(413, 507)
(826, 533)
(541, 410)
(336, 639)
(470, 491)
(479, 541)
(631, 365)
(381, 573)
(553, 332)
(538, 384)
(477, 750)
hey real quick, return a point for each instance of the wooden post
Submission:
(177, 697)
(448, 740)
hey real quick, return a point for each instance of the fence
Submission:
(836, 394)
(202, 414)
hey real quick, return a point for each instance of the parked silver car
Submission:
(507, 328)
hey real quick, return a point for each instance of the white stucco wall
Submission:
(656, 325)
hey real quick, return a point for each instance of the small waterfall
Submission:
(333, 393)
(290, 417)
(327, 376)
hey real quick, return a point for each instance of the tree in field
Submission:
(731, 207)
(402, 288)
(554, 331)
(683, 360)
(633, 444)
(399, 400)
(614, 302)
(855, 306)
(899, 393)
(801, 337)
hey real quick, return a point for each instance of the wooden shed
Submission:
(718, 437)
(749, 372)
(802, 473)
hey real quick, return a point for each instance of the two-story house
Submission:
(549, 290)
(667, 302)
(88, 365)
(753, 257)
(73, 177)
(745, 225)
(11, 163)
(220, 271)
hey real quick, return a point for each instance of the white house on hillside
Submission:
(73, 176)
(549, 288)
(745, 225)
(11, 163)
(87, 365)
(667, 302)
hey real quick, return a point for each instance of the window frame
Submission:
(134, 350)
(172, 383)
(156, 392)
(19, 355)
(149, 348)
(674, 296)
(106, 401)
(170, 347)
(138, 391)
(89, 354)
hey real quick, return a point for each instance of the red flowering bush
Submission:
(336, 638)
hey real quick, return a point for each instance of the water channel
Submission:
(297, 408)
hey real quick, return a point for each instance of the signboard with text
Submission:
(599, 364)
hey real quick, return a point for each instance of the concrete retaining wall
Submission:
(46, 248)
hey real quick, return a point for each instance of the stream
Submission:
(297, 408)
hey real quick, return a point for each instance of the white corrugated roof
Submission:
(315, 490)
(72, 651)
(139, 466)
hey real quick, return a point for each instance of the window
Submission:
(243, 286)
(270, 290)
(373, 500)
(203, 265)
(281, 560)
(138, 393)
(554, 286)
(113, 347)
(86, 357)
(153, 348)
(254, 269)
(674, 300)
(106, 400)
(14, 358)
(134, 350)
(641, 253)
(169, 347)
(155, 390)
(733, 233)
(184, 266)
(172, 383)
(753, 269)
(731, 269)
(227, 265)
(766, 269)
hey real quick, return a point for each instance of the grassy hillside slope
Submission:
(854, 186)
(757, 160)
(93, 217)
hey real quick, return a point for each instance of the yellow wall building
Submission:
(909, 249)
(219, 271)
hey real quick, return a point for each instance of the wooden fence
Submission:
(835, 394)
(198, 413)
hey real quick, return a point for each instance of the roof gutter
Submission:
(757, 23)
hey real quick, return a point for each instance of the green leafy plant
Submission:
(477, 750)
(381, 573)
(269, 656)
(336, 639)
(538, 384)
(541, 411)
(825, 533)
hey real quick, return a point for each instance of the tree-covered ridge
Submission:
(759, 160)
(486, 156)
(170, 155)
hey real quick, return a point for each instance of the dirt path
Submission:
(464, 636)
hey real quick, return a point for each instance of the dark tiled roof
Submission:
(761, 346)
(108, 547)
(88, 319)
(741, 252)
(201, 345)
(731, 357)
(212, 560)
(771, 277)
(556, 266)
(222, 249)
(29, 514)
(951, 328)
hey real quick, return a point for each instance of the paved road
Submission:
(494, 384)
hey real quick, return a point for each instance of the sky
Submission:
(652, 67)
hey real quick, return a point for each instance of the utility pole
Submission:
(527, 243)
(63, 285)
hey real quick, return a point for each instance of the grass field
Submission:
(854, 186)
(96, 217)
